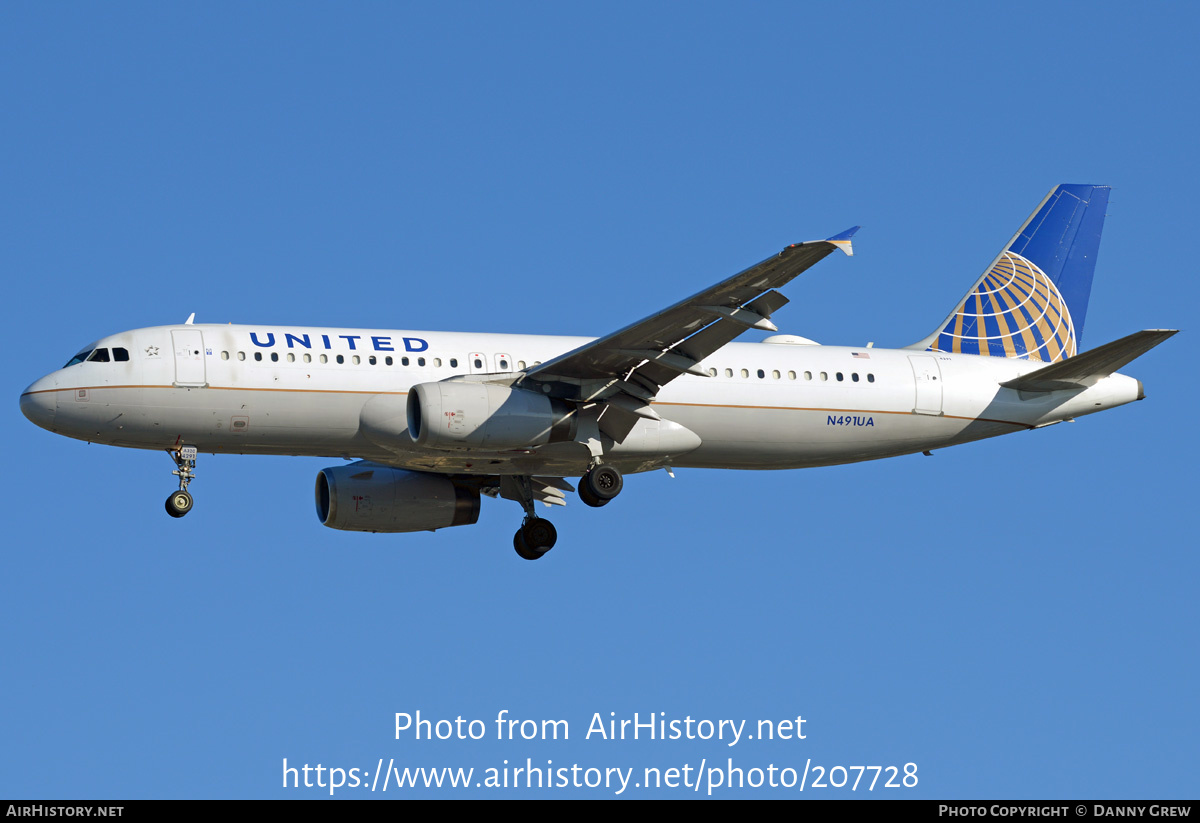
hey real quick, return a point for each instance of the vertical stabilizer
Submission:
(1032, 301)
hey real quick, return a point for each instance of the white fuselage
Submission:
(301, 391)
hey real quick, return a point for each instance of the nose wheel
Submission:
(535, 537)
(180, 502)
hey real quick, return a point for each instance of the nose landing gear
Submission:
(180, 502)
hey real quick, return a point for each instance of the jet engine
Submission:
(460, 415)
(366, 497)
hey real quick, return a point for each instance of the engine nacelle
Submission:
(456, 415)
(365, 497)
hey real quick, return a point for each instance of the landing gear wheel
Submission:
(539, 535)
(588, 498)
(179, 503)
(522, 550)
(535, 537)
(600, 485)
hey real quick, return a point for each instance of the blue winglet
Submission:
(842, 241)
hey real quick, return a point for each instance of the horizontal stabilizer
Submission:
(1087, 368)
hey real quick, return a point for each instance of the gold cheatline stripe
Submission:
(217, 388)
(656, 403)
(839, 411)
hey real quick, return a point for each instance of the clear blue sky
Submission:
(1017, 617)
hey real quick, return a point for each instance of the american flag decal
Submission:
(861, 355)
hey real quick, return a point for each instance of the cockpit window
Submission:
(79, 358)
(119, 354)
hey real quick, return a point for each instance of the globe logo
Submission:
(1015, 311)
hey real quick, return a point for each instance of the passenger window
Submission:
(420, 361)
(241, 355)
(403, 361)
(372, 360)
(224, 355)
(521, 365)
(824, 376)
(808, 375)
(258, 355)
(745, 373)
(839, 377)
(712, 372)
(274, 357)
(775, 374)
(122, 355)
(324, 358)
(761, 374)
(388, 360)
(291, 358)
(437, 362)
(854, 377)
(478, 363)
(870, 378)
(454, 362)
(341, 359)
(729, 372)
(791, 375)
(307, 357)
(99, 356)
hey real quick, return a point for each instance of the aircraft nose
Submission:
(39, 402)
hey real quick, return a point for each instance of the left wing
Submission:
(626, 369)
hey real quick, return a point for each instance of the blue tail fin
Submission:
(1032, 300)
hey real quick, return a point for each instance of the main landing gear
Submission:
(601, 484)
(538, 535)
(180, 502)
(535, 537)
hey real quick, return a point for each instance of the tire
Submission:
(588, 498)
(603, 483)
(522, 550)
(538, 535)
(179, 503)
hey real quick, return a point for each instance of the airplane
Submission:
(434, 420)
